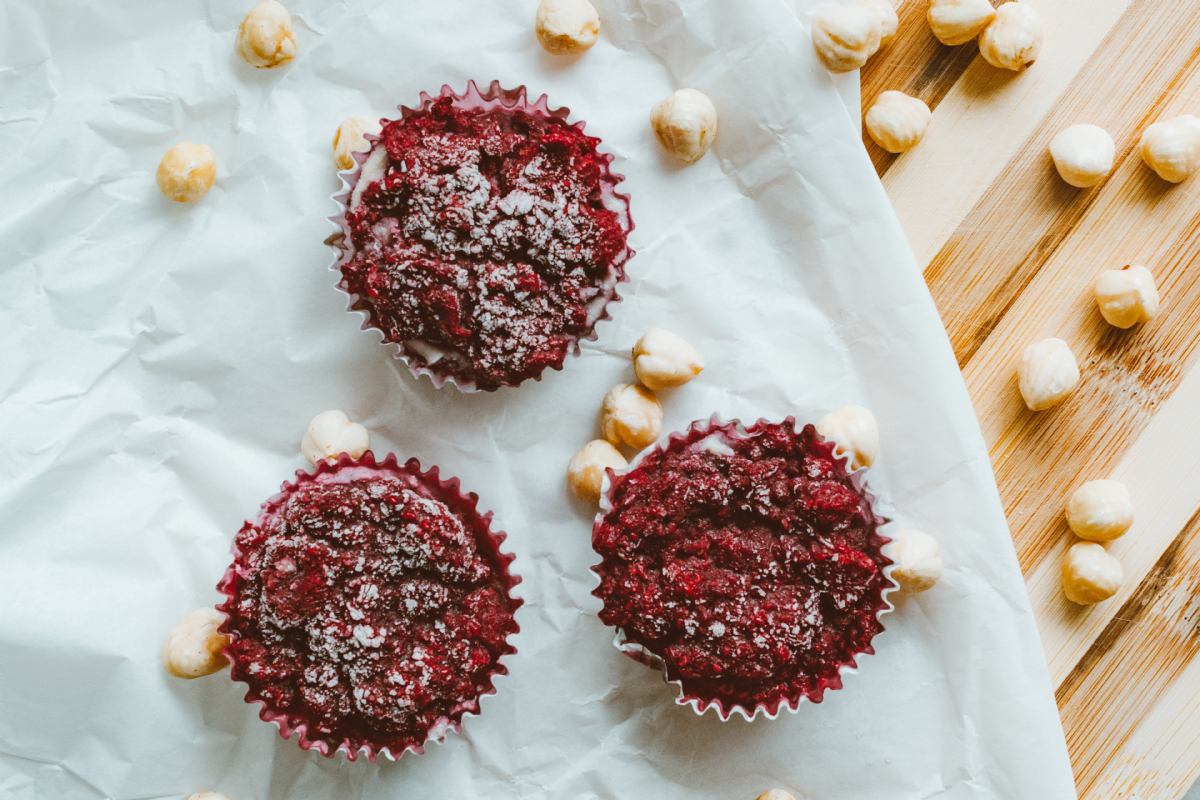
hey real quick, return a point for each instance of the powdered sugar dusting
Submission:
(748, 565)
(367, 609)
(485, 241)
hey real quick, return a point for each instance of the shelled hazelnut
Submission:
(186, 172)
(1083, 155)
(663, 360)
(1172, 148)
(917, 558)
(350, 138)
(330, 434)
(194, 647)
(845, 36)
(265, 38)
(1013, 40)
(585, 472)
(631, 415)
(957, 22)
(1090, 574)
(1126, 296)
(565, 27)
(855, 432)
(1047, 374)
(897, 122)
(1100, 511)
(685, 124)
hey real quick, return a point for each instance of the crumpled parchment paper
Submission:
(161, 362)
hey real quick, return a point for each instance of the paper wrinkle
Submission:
(162, 363)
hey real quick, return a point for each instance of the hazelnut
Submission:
(959, 21)
(685, 124)
(186, 172)
(775, 794)
(207, 796)
(854, 432)
(845, 36)
(1047, 373)
(1100, 511)
(265, 38)
(330, 434)
(663, 360)
(194, 647)
(585, 473)
(1126, 296)
(1090, 574)
(917, 560)
(1013, 40)
(351, 138)
(631, 415)
(897, 122)
(1172, 148)
(567, 26)
(889, 21)
(1083, 154)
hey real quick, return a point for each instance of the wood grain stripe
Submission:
(1161, 759)
(1035, 209)
(1141, 653)
(915, 63)
(1126, 377)
(984, 121)
(1011, 253)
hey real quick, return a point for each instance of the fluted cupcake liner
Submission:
(731, 431)
(493, 97)
(465, 506)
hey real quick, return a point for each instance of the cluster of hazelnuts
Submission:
(631, 416)
(265, 40)
(846, 35)
(1099, 510)
(1010, 37)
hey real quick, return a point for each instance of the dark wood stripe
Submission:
(1127, 375)
(1029, 210)
(1141, 652)
(915, 63)
(1127, 619)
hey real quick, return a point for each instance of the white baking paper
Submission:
(160, 363)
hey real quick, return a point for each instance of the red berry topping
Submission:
(749, 562)
(369, 604)
(488, 245)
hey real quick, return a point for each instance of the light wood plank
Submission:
(1145, 67)
(985, 119)
(1122, 706)
(1127, 374)
(1010, 254)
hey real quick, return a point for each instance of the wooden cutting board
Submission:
(1009, 253)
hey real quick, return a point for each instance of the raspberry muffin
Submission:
(368, 607)
(483, 236)
(746, 562)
